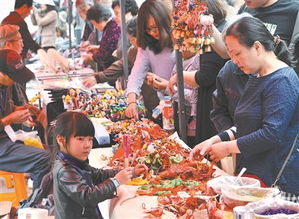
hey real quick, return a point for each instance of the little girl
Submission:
(78, 187)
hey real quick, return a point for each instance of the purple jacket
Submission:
(108, 44)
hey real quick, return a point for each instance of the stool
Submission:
(16, 181)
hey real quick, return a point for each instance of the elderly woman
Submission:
(101, 18)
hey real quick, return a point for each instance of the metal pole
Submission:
(70, 20)
(180, 83)
(97, 32)
(124, 40)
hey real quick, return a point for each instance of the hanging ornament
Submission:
(192, 29)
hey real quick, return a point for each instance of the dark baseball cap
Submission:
(12, 65)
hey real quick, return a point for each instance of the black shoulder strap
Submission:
(295, 35)
(285, 161)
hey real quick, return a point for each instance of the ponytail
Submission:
(282, 52)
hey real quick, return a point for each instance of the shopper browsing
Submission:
(267, 115)
(155, 50)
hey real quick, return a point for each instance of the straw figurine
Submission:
(191, 27)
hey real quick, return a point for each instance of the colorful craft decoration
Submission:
(192, 29)
(111, 104)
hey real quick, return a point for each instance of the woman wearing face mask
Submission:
(155, 50)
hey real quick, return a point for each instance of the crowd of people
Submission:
(242, 96)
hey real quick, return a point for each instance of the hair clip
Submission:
(276, 40)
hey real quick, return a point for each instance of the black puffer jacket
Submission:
(78, 188)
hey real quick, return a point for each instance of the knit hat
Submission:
(8, 32)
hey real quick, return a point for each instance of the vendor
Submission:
(15, 156)
(22, 10)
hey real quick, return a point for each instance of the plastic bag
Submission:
(29, 138)
(238, 196)
(224, 181)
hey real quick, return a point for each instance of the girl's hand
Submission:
(132, 111)
(171, 84)
(89, 82)
(124, 176)
(140, 169)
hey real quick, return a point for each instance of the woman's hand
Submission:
(159, 83)
(132, 110)
(203, 147)
(89, 82)
(218, 151)
(87, 58)
(93, 48)
(84, 45)
(149, 78)
(156, 81)
(172, 83)
(140, 169)
(124, 176)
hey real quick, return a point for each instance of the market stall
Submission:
(174, 186)
(164, 193)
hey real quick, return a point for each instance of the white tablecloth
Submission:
(95, 160)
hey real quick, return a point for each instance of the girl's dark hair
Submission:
(72, 124)
(217, 9)
(162, 17)
(249, 30)
(132, 26)
(99, 13)
(20, 3)
(130, 6)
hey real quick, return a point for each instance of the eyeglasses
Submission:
(152, 29)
